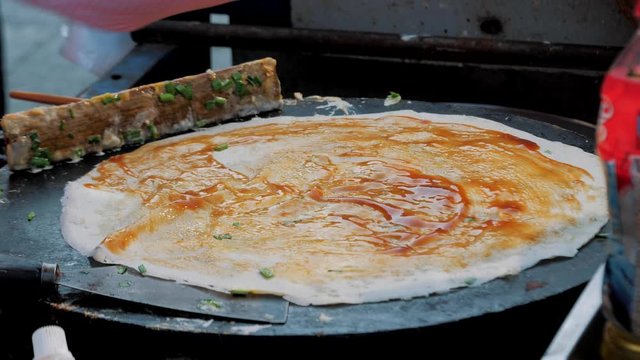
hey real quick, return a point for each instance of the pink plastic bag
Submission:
(122, 15)
(97, 33)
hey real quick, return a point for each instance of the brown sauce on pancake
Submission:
(412, 188)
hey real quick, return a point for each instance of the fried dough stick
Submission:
(37, 137)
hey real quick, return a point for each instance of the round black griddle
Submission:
(41, 239)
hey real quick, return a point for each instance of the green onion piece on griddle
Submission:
(221, 147)
(392, 99)
(209, 303)
(267, 273)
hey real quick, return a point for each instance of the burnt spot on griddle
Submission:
(535, 284)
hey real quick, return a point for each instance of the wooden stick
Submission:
(42, 98)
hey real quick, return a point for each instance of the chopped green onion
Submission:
(40, 162)
(236, 224)
(121, 269)
(209, 303)
(469, 219)
(166, 97)
(221, 85)
(71, 114)
(240, 86)
(236, 76)
(31, 215)
(185, 90)
(62, 125)
(94, 139)
(125, 284)
(222, 237)
(241, 89)
(35, 140)
(217, 101)
(267, 273)
(221, 147)
(142, 269)
(133, 136)
(548, 152)
(392, 99)
(70, 136)
(153, 131)
(170, 88)
(470, 281)
(209, 104)
(43, 153)
(109, 99)
(254, 80)
(78, 153)
(239, 292)
(41, 158)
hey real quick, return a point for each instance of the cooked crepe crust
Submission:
(467, 218)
